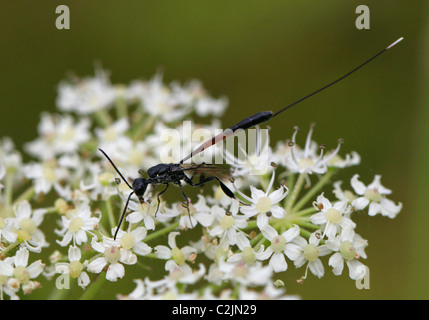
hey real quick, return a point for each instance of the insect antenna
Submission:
(117, 170)
(129, 197)
(339, 79)
(122, 215)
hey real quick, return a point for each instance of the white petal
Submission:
(293, 251)
(139, 233)
(261, 221)
(376, 184)
(360, 203)
(162, 252)
(277, 212)
(316, 268)
(269, 232)
(357, 185)
(142, 248)
(389, 208)
(83, 280)
(172, 239)
(278, 262)
(318, 218)
(35, 269)
(6, 269)
(291, 233)
(357, 270)
(23, 210)
(21, 257)
(278, 195)
(74, 254)
(97, 265)
(374, 208)
(115, 271)
(336, 261)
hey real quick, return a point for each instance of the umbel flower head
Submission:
(211, 247)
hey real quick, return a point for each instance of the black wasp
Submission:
(175, 173)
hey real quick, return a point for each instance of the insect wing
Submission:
(223, 172)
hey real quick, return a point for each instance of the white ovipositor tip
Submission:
(394, 43)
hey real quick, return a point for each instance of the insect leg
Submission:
(158, 198)
(186, 199)
(224, 188)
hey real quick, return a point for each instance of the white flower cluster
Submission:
(283, 217)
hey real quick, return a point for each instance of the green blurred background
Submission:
(262, 55)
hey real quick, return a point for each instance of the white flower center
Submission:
(278, 244)
(27, 225)
(226, 222)
(69, 134)
(178, 256)
(248, 256)
(21, 274)
(75, 269)
(306, 163)
(112, 255)
(311, 252)
(264, 204)
(373, 195)
(128, 240)
(333, 215)
(347, 250)
(75, 224)
(49, 173)
(240, 271)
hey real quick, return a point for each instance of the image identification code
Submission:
(221, 309)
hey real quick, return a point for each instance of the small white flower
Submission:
(208, 105)
(6, 230)
(133, 240)
(343, 194)
(263, 204)
(310, 253)
(254, 275)
(307, 160)
(76, 224)
(74, 268)
(142, 211)
(252, 164)
(58, 134)
(87, 95)
(176, 256)
(374, 195)
(113, 256)
(348, 248)
(26, 223)
(18, 273)
(47, 175)
(281, 245)
(332, 218)
(157, 99)
(228, 226)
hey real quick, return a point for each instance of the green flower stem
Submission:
(121, 108)
(26, 195)
(110, 215)
(315, 189)
(295, 192)
(144, 128)
(10, 247)
(161, 232)
(305, 212)
(95, 287)
(8, 190)
(102, 118)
